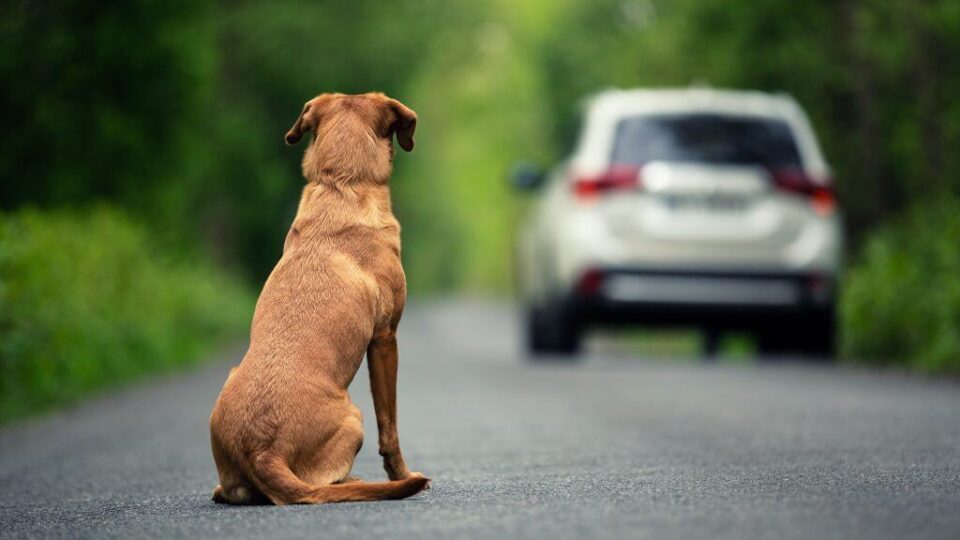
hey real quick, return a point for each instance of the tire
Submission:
(821, 333)
(812, 336)
(537, 334)
(552, 331)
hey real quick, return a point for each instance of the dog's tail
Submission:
(275, 479)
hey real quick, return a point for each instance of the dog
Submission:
(284, 429)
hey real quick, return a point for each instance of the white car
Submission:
(684, 207)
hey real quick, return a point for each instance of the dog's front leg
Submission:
(382, 362)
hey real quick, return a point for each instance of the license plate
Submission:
(714, 202)
(701, 290)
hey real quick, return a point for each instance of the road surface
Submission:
(613, 447)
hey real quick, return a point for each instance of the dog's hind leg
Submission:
(238, 493)
(234, 488)
(332, 462)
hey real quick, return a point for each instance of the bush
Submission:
(87, 301)
(901, 303)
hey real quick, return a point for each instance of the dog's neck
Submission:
(328, 207)
(347, 153)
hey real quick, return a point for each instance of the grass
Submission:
(679, 343)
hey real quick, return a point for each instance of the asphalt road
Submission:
(613, 447)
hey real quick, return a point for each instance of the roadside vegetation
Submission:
(901, 302)
(87, 301)
(146, 133)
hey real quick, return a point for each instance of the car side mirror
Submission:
(526, 176)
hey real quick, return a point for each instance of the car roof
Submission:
(666, 100)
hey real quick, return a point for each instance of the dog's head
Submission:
(353, 136)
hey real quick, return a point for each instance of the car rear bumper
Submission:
(731, 299)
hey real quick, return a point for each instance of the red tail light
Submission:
(590, 282)
(617, 178)
(795, 181)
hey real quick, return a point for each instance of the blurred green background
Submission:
(145, 188)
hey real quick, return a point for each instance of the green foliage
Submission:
(277, 56)
(872, 75)
(451, 193)
(102, 100)
(87, 301)
(901, 301)
(175, 110)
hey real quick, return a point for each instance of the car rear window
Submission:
(705, 138)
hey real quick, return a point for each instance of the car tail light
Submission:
(617, 178)
(820, 194)
(820, 287)
(590, 282)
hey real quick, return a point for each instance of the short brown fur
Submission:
(284, 429)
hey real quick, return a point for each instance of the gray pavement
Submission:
(611, 447)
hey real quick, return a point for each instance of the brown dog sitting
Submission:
(284, 429)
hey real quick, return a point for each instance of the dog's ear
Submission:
(404, 123)
(307, 120)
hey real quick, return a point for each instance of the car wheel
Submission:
(552, 331)
(536, 332)
(813, 337)
(820, 337)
